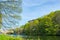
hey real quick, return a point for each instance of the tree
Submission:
(0, 19)
(46, 25)
(10, 13)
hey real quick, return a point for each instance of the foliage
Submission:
(46, 25)
(7, 37)
(0, 20)
(10, 10)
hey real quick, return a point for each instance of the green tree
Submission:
(0, 19)
(10, 11)
(46, 25)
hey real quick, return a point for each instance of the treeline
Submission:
(46, 25)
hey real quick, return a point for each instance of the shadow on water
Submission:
(39, 37)
(42, 38)
(50, 38)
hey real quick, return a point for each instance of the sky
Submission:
(33, 9)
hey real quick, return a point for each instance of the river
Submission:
(38, 37)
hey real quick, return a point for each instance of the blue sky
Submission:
(33, 9)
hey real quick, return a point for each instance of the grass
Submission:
(7, 37)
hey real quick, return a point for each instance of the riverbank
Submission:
(7, 37)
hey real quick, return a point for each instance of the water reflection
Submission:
(50, 38)
(42, 38)
(38, 37)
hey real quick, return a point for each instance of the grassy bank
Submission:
(7, 37)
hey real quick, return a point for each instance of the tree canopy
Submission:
(10, 13)
(45, 25)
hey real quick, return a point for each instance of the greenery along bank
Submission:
(7, 37)
(45, 25)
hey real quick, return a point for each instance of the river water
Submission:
(38, 37)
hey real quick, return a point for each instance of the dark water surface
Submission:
(39, 37)
(43, 38)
